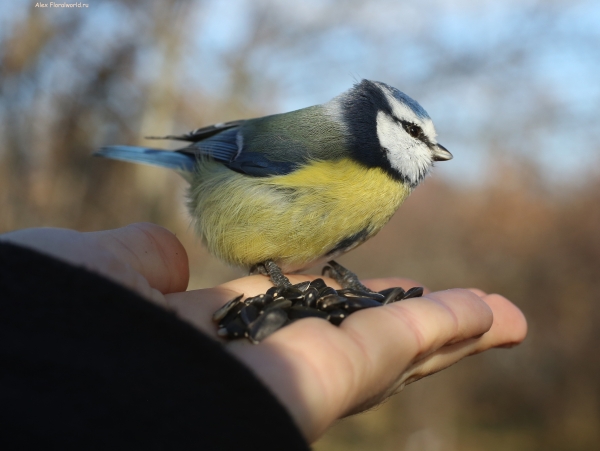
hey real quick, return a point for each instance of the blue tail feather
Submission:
(155, 157)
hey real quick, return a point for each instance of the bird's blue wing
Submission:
(222, 146)
(227, 148)
(257, 165)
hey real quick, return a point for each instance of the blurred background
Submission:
(513, 88)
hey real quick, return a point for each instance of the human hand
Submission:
(318, 371)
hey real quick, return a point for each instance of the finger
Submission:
(417, 327)
(337, 369)
(478, 292)
(89, 250)
(151, 250)
(409, 331)
(508, 329)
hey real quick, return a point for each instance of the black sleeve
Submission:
(86, 364)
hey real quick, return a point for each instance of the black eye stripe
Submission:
(413, 130)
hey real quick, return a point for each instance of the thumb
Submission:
(144, 257)
(151, 250)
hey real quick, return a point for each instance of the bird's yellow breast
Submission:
(293, 219)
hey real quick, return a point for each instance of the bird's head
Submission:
(388, 129)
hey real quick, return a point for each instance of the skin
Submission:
(319, 372)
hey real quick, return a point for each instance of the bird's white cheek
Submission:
(410, 158)
(391, 135)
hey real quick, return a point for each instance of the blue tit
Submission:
(303, 187)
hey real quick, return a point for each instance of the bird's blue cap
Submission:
(412, 104)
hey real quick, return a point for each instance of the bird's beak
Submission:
(440, 153)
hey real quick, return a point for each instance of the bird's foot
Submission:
(271, 269)
(343, 276)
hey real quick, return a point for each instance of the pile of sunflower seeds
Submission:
(259, 316)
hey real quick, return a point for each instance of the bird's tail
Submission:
(156, 157)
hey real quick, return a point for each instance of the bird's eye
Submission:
(414, 130)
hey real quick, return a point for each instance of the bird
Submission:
(292, 190)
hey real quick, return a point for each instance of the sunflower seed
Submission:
(414, 292)
(232, 314)
(236, 328)
(327, 291)
(224, 310)
(299, 312)
(318, 284)
(351, 293)
(273, 291)
(393, 295)
(354, 304)
(331, 302)
(310, 297)
(302, 286)
(337, 316)
(248, 314)
(291, 293)
(267, 323)
(280, 303)
(257, 301)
